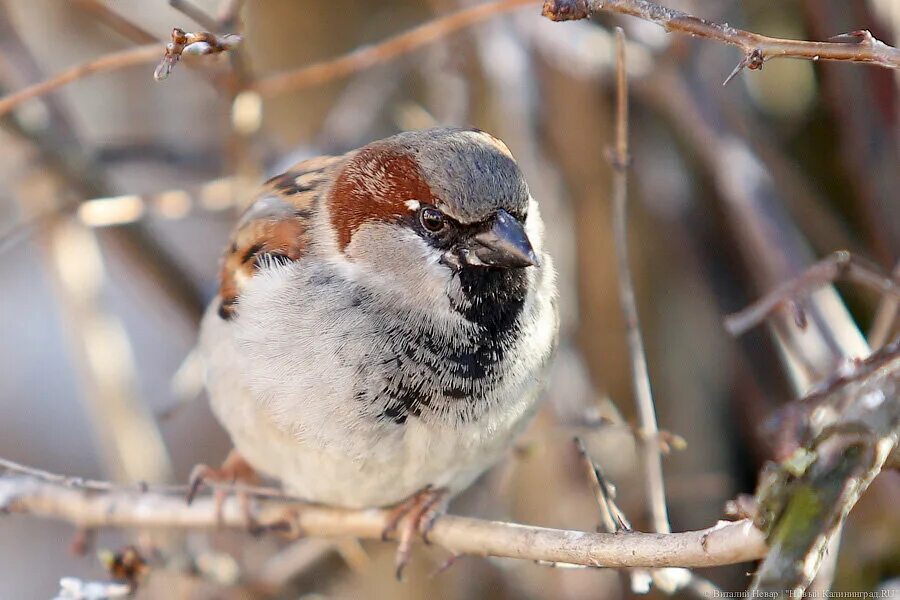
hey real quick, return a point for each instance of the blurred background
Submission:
(117, 194)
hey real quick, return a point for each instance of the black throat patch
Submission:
(493, 298)
(455, 379)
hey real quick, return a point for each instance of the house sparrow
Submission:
(384, 323)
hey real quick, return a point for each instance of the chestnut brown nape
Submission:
(375, 185)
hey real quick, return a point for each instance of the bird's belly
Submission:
(396, 466)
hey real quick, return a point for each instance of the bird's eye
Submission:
(432, 219)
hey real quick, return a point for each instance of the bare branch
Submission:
(188, 43)
(614, 520)
(804, 500)
(856, 46)
(229, 13)
(838, 265)
(724, 544)
(310, 75)
(651, 455)
(886, 315)
(195, 13)
(125, 26)
(366, 56)
(93, 485)
(113, 61)
(775, 252)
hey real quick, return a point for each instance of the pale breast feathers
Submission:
(276, 226)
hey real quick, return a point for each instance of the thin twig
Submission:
(614, 520)
(113, 61)
(190, 43)
(229, 12)
(868, 152)
(297, 558)
(856, 46)
(772, 247)
(840, 264)
(885, 316)
(650, 451)
(366, 56)
(128, 28)
(723, 544)
(195, 13)
(802, 504)
(775, 252)
(94, 485)
(314, 74)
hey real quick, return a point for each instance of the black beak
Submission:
(504, 245)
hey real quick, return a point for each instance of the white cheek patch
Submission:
(412, 204)
(534, 226)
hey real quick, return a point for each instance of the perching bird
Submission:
(384, 323)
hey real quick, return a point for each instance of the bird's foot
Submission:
(415, 515)
(234, 470)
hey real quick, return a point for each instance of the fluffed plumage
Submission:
(385, 319)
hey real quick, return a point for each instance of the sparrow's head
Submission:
(425, 206)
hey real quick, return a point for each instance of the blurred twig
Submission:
(856, 46)
(866, 139)
(839, 265)
(358, 107)
(651, 454)
(669, 580)
(128, 28)
(813, 348)
(195, 13)
(229, 13)
(885, 316)
(614, 520)
(825, 228)
(130, 442)
(805, 500)
(773, 249)
(129, 439)
(297, 558)
(362, 58)
(314, 74)
(113, 61)
(62, 157)
(723, 544)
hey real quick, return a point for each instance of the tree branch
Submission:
(856, 46)
(125, 26)
(120, 507)
(885, 315)
(366, 56)
(808, 496)
(309, 75)
(840, 264)
(113, 61)
(643, 396)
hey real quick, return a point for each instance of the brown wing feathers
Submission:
(275, 224)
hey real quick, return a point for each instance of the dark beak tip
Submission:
(505, 245)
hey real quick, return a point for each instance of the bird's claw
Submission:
(233, 470)
(415, 515)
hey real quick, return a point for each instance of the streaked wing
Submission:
(274, 226)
